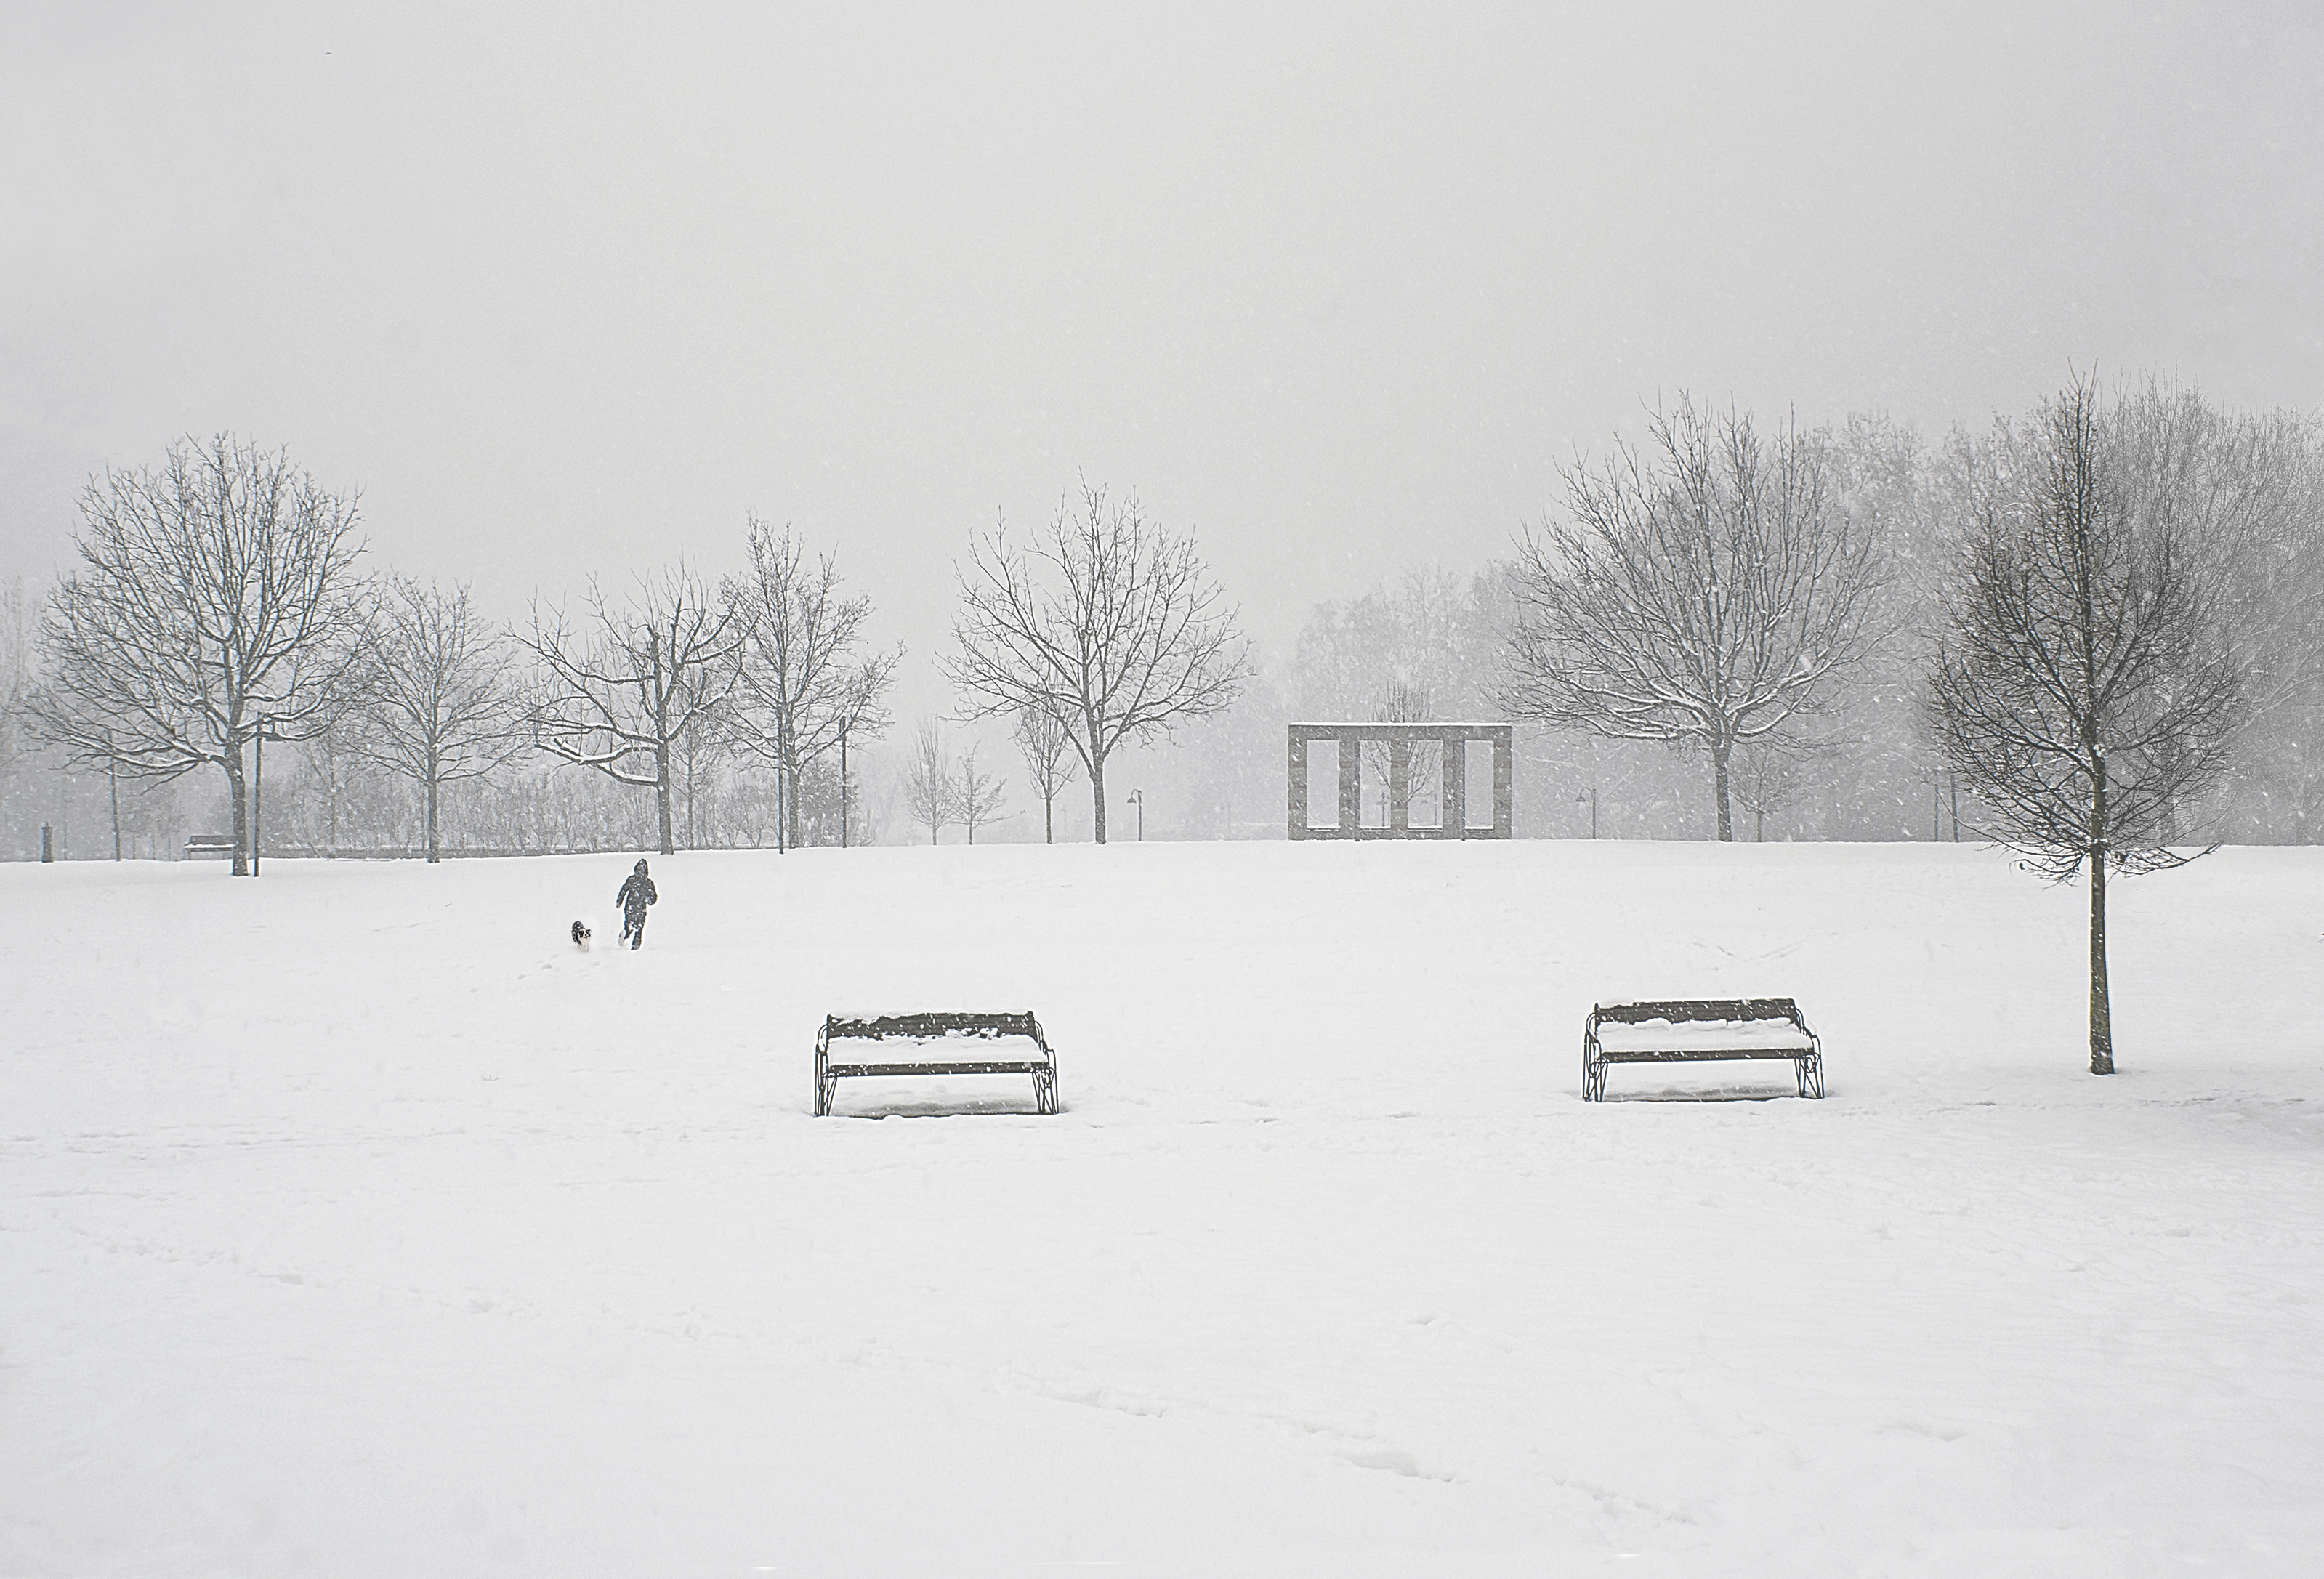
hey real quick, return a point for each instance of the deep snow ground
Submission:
(351, 1223)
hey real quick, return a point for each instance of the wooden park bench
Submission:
(918, 1058)
(200, 845)
(1702, 1030)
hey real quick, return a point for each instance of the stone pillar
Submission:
(1456, 789)
(1297, 774)
(1504, 773)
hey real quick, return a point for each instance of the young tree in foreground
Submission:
(1107, 621)
(441, 708)
(1041, 741)
(621, 701)
(217, 603)
(1704, 594)
(805, 681)
(2087, 685)
(930, 790)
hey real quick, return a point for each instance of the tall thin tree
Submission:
(806, 677)
(1040, 738)
(2088, 684)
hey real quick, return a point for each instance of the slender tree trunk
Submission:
(792, 826)
(113, 784)
(662, 798)
(1049, 818)
(235, 794)
(1097, 792)
(431, 817)
(1718, 754)
(2101, 1007)
(842, 788)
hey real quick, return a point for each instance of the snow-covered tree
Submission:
(1703, 593)
(216, 600)
(619, 695)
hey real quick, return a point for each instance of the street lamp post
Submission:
(1591, 795)
(1138, 800)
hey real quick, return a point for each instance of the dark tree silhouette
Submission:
(2087, 686)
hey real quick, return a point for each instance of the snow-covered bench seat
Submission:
(931, 1044)
(1698, 1031)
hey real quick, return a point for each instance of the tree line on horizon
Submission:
(1759, 605)
(2099, 621)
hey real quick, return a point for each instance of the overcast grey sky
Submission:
(1338, 287)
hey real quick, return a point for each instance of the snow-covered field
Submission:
(354, 1223)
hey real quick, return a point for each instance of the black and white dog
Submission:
(581, 936)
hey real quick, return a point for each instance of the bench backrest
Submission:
(1711, 1009)
(941, 1023)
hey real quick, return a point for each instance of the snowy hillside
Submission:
(353, 1223)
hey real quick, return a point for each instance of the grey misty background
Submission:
(569, 295)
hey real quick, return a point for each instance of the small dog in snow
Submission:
(581, 936)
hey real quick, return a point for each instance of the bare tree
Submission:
(621, 700)
(331, 754)
(441, 706)
(806, 681)
(702, 746)
(980, 796)
(2249, 490)
(1703, 593)
(2087, 684)
(1403, 703)
(930, 790)
(1108, 622)
(17, 628)
(1041, 740)
(217, 603)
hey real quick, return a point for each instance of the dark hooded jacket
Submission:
(636, 891)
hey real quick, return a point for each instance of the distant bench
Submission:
(1698, 1031)
(919, 1030)
(198, 846)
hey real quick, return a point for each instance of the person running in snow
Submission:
(636, 893)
